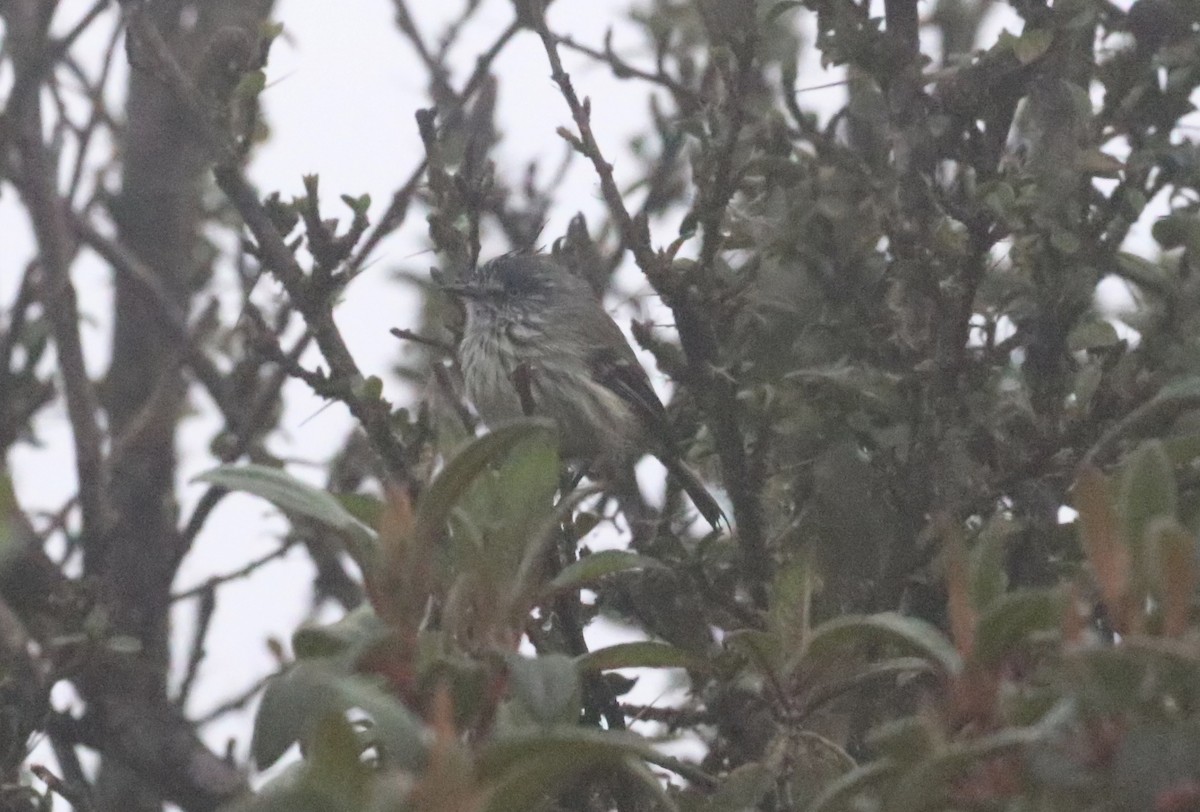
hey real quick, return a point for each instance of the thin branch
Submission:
(248, 569)
(124, 262)
(234, 703)
(313, 302)
(17, 313)
(256, 417)
(78, 797)
(196, 652)
(51, 226)
(62, 741)
(97, 116)
(433, 343)
(397, 209)
(635, 235)
(689, 100)
(433, 65)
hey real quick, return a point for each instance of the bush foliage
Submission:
(962, 569)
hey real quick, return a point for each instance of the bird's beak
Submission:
(461, 291)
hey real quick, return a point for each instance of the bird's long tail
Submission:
(694, 488)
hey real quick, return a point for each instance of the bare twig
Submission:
(236, 702)
(248, 569)
(635, 235)
(433, 343)
(78, 797)
(688, 99)
(204, 615)
(124, 262)
(52, 229)
(345, 381)
(245, 430)
(397, 209)
(96, 117)
(60, 728)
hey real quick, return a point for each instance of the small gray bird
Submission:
(537, 342)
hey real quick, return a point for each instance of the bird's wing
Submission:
(614, 365)
(620, 372)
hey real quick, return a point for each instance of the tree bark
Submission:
(159, 214)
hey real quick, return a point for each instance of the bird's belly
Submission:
(593, 420)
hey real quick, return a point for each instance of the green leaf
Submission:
(358, 630)
(1180, 388)
(1090, 335)
(998, 196)
(592, 568)
(547, 687)
(1183, 449)
(742, 789)
(988, 574)
(1148, 491)
(905, 634)
(298, 699)
(1032, 44)
(251, 84)
(780, 8)
(362, 506)
(584, 522)
(762, 649)
(640, 654)
(1142, 271)
(358, 205)
(925, 786)
(1155, 765)
(336, 767)
(788, 611)
(277, 725)
(369, 388)
(472, 461)
(269, 30)
(10, 522)
(1110, 681)
(295, 497)
(526, 767)
(519, 500)
(906, 740)
(838, 794)
(1065, 242)
(1176, 230)
(1012, 619)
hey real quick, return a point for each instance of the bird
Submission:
(537, 341)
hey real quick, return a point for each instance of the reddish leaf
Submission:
(963, 617)
(1177, 556)
(1100, 536)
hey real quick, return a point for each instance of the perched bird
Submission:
(538, 342)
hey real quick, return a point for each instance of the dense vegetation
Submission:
(962, 570)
